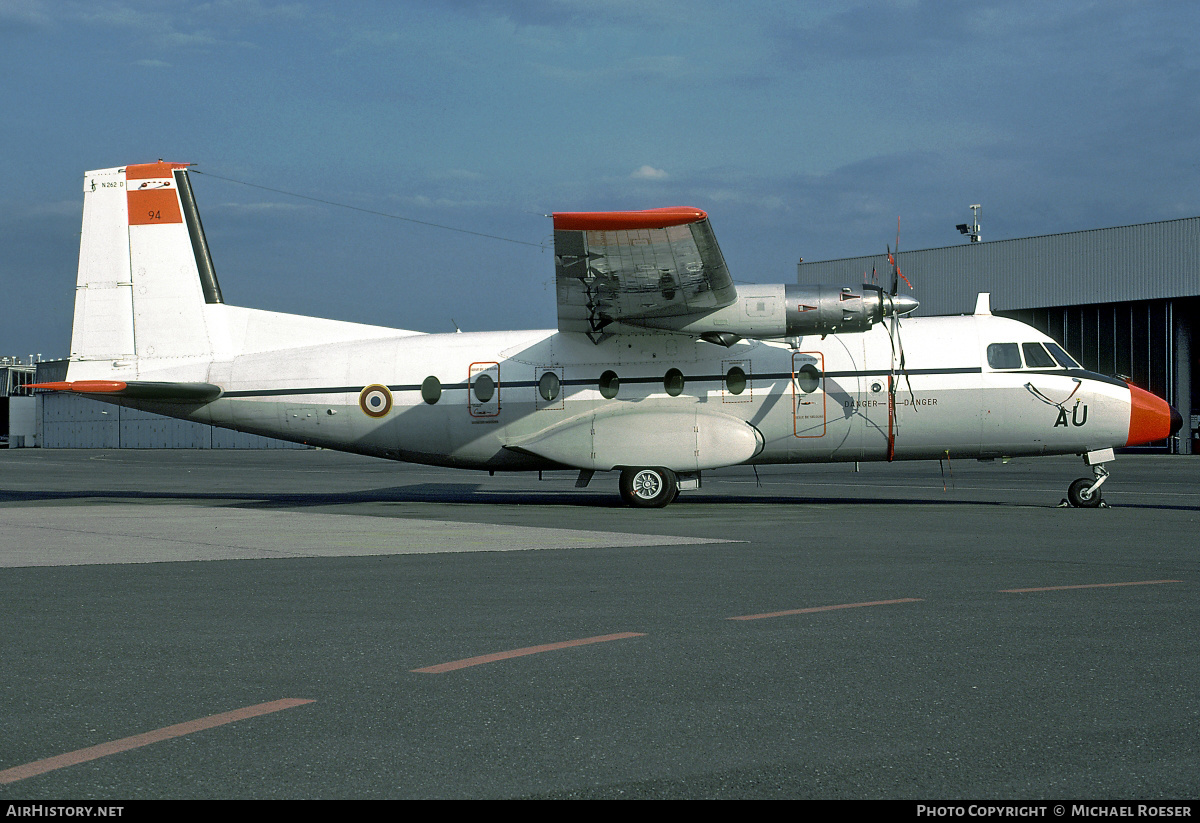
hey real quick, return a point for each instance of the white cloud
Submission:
(649, 173)
(264, 207)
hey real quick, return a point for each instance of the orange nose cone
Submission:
(1150, 418)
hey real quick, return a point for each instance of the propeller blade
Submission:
(899, 366)
(895, 272)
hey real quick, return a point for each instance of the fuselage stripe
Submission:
(705, 378)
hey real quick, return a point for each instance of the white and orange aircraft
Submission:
(660, 367)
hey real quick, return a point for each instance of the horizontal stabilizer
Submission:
(139, 389)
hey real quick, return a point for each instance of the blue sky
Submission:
(803, 129)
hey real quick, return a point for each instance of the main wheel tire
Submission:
(649, 488)
(1077, 494)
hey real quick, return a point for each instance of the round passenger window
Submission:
(431, 390)
(735, 380)
(548, 386)
(808, 378)
(673, 382)
(484, 387)
(610, 384)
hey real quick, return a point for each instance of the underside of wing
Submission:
(625, 266)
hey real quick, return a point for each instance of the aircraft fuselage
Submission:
(474, 400)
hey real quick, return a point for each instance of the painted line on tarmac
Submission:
(50, 764)
(548, 647)
(826, 608)
(1088, 586)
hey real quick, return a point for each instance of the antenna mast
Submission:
(972, 230)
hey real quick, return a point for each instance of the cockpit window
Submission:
(1004, 356)
(1036, 357)
(1065, 360)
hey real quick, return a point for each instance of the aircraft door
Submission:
(808, 394)
(483, 390)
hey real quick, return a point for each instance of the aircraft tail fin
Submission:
(145, 274)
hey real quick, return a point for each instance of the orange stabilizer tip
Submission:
(83, 386)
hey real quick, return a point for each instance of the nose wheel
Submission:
(1084, 493)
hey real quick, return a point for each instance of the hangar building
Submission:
(58, 420)
(1122, 300)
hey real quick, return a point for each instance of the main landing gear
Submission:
(646, 487)
(1084, 493)
(649, 488)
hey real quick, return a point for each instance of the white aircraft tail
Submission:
(145, 273)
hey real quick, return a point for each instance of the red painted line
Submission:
(126, 743)
(548, 647)
(1089, 586)
(826, 608)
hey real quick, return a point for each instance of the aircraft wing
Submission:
(625, 265)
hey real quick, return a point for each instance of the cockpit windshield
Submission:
(1060, 354)
(1004, 356)
(1037, 356)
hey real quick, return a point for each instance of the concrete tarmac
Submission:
(296, 624)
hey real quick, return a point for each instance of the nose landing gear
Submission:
(1084, 493)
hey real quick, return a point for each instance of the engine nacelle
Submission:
(776, 311)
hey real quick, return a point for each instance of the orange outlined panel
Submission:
(483, 389)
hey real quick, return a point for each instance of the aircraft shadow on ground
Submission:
(476, 495)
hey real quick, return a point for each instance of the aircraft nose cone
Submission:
(902, 304)
(1150, 418)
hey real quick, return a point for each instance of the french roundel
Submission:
(375, 401)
